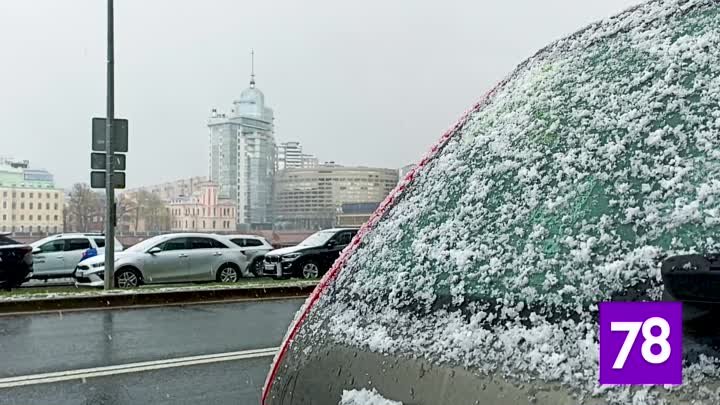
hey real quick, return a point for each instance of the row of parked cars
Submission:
(178, 257)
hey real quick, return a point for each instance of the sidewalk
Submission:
(56, 298)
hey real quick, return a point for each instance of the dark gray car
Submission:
(478, 280)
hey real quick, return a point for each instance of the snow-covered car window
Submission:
(565, 187)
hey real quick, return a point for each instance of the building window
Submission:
(47, 217)
(30, 217)
(4, 218)
(31, 196)
(56, 218)
(47, 206)
(56, 205)
(22, 205)
(22, 195)
(22, 217)
(203, 224)
(30, 228)
(4, 204)
(56, 196)
(31, 205)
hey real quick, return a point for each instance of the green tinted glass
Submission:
(596, 158)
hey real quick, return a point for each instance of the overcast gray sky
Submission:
(371, 82)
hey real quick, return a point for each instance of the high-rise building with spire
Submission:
(242, 156)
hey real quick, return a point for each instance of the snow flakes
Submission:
(595, 159)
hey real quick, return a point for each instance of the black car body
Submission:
(693, 279)
(312, 257)
(16, 262)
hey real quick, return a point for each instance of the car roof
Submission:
(75, 235)
(191, 234)
(339, 229)
(244, 236)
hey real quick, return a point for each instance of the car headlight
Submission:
(96, 265)
(290, 257)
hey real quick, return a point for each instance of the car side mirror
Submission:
(37, 250)
(331, 243)
(154, 250)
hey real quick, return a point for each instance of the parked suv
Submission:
(179, 257)
(58, 255)
(255, 247)
(312, 257)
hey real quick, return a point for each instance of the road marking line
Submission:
(59, 376)
(144, 306)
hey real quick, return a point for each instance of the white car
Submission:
(180, 257)
(57, 256)
(255, 248)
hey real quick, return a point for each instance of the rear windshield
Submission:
(593, 161)
(556, 193)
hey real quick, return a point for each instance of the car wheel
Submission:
(228, 274)
(127, 278)
(257, 267)
(309, 270)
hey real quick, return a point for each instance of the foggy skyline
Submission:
(370, 83)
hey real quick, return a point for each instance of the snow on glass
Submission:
(365, 397)
(565, 187)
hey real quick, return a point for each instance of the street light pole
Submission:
(109, 184)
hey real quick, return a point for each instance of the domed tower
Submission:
(242, 156)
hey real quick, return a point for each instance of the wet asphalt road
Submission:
(33, 344)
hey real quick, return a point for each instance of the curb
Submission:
(141, 299)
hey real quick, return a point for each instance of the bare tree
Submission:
(126, 205)
(144, 211)
(83, 205)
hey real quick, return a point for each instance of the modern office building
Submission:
(311, 198)
(290, 156)
(355, 214)
(172, 189)
(242, 157)
(308, 161)
(29, 201)
(203, 211)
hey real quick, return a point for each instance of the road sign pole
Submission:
(109, 185)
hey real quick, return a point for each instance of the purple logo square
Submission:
(641, 343)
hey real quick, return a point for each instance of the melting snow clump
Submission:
(365, 397)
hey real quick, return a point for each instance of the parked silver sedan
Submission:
(180, 257)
